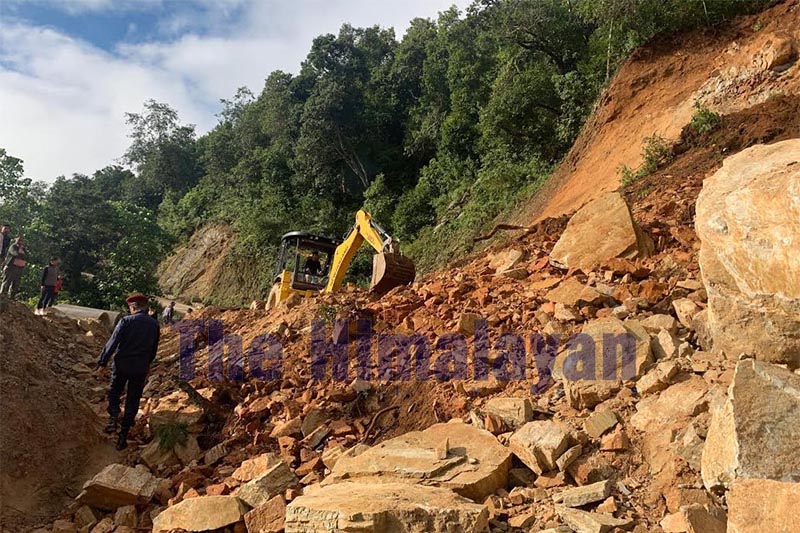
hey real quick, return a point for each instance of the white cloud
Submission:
(62, 100)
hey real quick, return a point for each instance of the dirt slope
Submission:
(50, 441)
(207, 269)
(728, 69)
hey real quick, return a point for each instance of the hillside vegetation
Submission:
(435, 134)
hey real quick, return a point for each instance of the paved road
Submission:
(77, 312)
(179, 307)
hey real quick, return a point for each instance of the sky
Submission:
(71, 69)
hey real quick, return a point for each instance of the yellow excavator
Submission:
(309, 264)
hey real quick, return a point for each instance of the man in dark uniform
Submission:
(135, 342)
(312, 265)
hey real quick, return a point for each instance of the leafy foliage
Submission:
(704, 120)
(656, 153)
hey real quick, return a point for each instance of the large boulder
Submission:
(758, 505)
(201, 514)
(384, 508)
(748, 221)
(458, 456)
(601, 230)
(755, 434)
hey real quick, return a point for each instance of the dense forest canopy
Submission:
(434, 133)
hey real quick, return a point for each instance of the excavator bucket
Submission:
(390, 270)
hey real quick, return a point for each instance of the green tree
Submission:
(162, 152)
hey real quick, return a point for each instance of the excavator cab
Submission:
(309, 264)
(304, 264)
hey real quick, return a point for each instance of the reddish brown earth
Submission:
(654, 93)
(50, 438)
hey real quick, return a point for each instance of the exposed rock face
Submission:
(384, 508)
(748, 220)
(200, 514)
(602, 229)
(756, 432)
(474, 465)
(117, 485)
(757, 505)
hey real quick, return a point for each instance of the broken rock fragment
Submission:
(117, 485)
(274, 481)
(579, 496)
(756, 432)
(539, 444)
(695, 518)
(384, 508)
(474, 466)
(200, 514)
(515, 412)
(585, 522)
(601, 230)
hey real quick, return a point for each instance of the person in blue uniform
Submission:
(133, 346)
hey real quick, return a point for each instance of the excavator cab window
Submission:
(311, 268)
(308, 257)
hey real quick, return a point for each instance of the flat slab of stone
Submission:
(539, 444)
(673, 405)
(118, 485)
(252, 468)
(579, 496)
(384, 508)
(200, 514)
(475, 466)
(756, 432)
(585, 522)
(572, 292)
(758, 505)
(601, 230)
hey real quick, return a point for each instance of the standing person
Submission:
(14, 265)
(168, 314)
(135, 342)
(50, 278)
(5, 241)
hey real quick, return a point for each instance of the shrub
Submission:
(704, 120)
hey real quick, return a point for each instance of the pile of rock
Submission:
(678, 435)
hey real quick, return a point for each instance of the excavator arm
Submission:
(389, 267)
